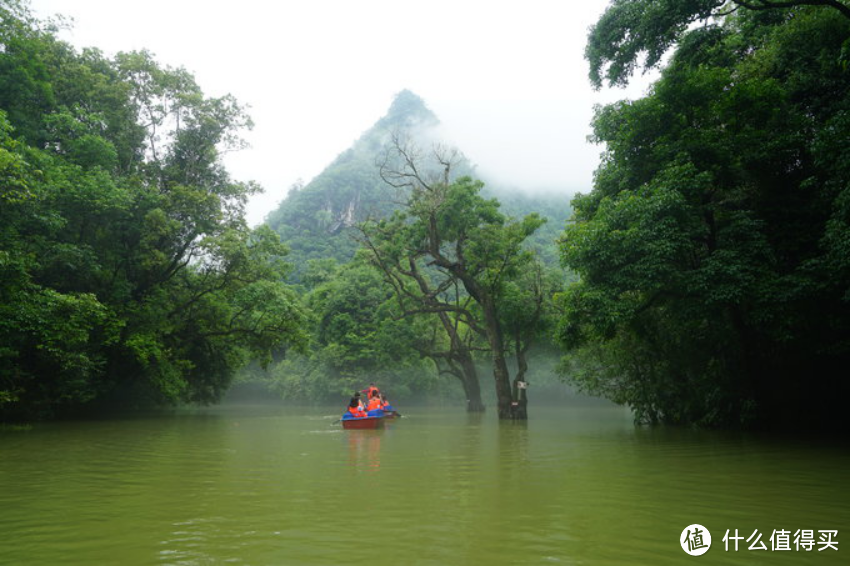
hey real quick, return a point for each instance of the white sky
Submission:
(507, 79)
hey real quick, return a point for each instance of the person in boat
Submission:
(354, 408)
(371, 390)
(359, 400)
(385, 404)
(374, 401)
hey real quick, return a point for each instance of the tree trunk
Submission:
(471, 386)
(469, 373)
(519, 389)
(501, 374)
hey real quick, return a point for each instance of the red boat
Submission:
(362, 422)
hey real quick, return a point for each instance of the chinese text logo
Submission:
(695, 539)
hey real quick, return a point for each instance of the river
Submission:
(273, 485)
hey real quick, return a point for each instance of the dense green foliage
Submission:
(357, 338)
(634, 32)
(127, 270)
(714, 250)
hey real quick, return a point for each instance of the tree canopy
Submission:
(632, 33)
(127, 270)
(713, 248)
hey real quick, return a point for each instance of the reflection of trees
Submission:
(364, 449)
(513, 450)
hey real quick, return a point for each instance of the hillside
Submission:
(316, 220)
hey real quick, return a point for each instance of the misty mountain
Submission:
(317, 220)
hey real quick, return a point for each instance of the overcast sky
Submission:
(508, 80)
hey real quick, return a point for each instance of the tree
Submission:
(528, 318)
(418, 294)
(463, 238)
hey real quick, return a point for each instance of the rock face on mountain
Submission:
(317, 220)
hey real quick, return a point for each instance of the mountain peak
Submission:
(407, 110)
(315, 220)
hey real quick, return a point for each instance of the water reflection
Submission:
(513, 442)
(364, 448)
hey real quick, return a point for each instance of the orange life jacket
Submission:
(374, 404)
(356, 412)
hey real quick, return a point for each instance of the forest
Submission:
(703, 280)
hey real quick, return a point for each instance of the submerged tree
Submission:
(446, 242)
(527, 313)
(417, 294)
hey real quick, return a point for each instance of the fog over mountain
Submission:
(316, 220)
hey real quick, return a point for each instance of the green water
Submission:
(267, 485)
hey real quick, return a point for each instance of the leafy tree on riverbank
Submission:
(127, 270)
(713, 249)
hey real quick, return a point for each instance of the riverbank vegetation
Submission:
(127, 270)
(714, 249)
